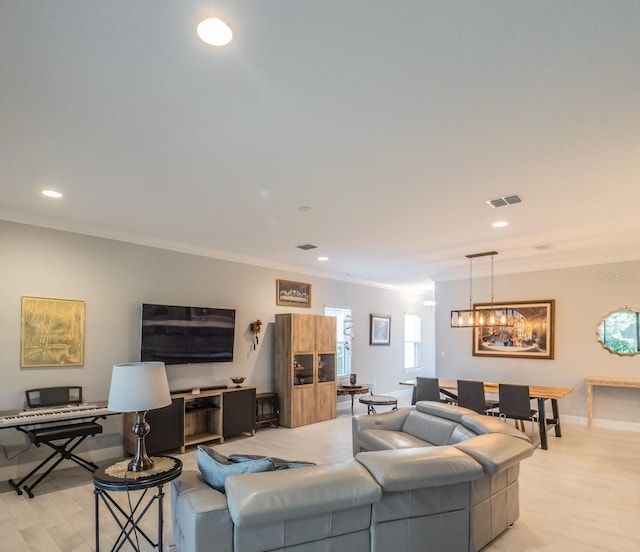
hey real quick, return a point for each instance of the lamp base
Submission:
(140, 461)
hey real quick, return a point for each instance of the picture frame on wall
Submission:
(51, 332)
(293, 294)
(531, 336)
(379, 329)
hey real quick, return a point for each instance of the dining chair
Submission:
(427, 389)
(471, 395)
(515, 403)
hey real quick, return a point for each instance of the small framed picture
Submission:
(379, 329)
(293, 294)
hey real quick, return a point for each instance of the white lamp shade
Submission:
(138, 386)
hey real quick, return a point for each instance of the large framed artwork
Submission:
(379, 329)
(51, 332)
(293, 294)
(531, 335)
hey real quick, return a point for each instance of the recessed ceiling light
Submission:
(500, 224)
(323, 258)
(214, 31)
(51, 193)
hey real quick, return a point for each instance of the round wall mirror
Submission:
(618, 332)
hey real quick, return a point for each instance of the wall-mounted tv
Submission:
(185, 335)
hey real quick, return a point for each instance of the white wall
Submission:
(582, 296)
(114, 278)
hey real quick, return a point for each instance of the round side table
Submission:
(378, 400)
(352, 390)
(112, 479)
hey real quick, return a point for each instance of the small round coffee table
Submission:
(378, 400)
(352, 390)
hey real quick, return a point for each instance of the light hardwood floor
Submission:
(581, 495)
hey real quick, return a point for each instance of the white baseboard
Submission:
(601, 423)
(18, 470)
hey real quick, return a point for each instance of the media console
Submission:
(211, 415)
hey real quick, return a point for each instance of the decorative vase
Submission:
(352, 379)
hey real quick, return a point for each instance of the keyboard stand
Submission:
(72, 434)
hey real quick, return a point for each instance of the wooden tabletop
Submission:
(612, 382)
(535, 391)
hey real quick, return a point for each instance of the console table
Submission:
(267, 410)
(592, 381)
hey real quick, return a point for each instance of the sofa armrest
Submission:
(495, 451)
(199, 515)
(406, 469)
(392, 421)
(256, 498)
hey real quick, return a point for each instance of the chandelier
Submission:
(481, 317)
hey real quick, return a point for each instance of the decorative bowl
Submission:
(238, 380)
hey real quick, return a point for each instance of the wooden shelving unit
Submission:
(305, 368)
(193, 419)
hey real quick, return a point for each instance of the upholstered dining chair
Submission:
(427, 389)
(515, 404)
(471, 395)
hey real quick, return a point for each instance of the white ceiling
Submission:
(393, 121)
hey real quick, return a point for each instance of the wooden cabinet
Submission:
(239, 415)
(305, 368)
(211, 415)
(167, 429)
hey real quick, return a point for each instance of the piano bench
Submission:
(69, 431)
(72, 435)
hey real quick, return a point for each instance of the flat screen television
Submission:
(186, 335)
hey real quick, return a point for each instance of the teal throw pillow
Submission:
(216, 467)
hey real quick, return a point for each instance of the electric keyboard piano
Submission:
(41, 424)
(31, 416)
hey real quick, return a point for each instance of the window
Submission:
(411, 342)
(344, 326)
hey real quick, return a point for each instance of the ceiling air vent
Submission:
(307, 246)
(504, 200)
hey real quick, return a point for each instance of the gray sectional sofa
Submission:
(441, 479)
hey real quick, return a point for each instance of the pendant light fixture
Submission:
(481, 317)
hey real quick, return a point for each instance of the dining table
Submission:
(541, 393)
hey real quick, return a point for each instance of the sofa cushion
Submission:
(215, 467)
(496, 452)
(443, 410)
(384, 439)
(436, 430)
(415, 468)
(260, 498)
(482, 424)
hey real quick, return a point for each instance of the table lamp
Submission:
(139, 387)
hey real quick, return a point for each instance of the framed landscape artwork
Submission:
(293, 294)
(51, 332)
(379, 329)
(531, 335)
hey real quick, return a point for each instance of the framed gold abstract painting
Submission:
(51, 332)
